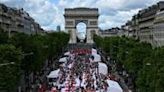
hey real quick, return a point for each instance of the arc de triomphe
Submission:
(89, 16)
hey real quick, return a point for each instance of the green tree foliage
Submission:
(30, 52)
(43, 47)
(39, 54)
(24, 42)
(140, 59)
(9, 71)
(56, 42)
(150, 79)
(3, 37)
(136, 56)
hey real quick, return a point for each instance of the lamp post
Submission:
(147, 64)
(4, 64)
(23, 76)
(26, 54)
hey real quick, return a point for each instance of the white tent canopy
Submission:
(97, 57)
(94, 51)
(103, 69)
(67, 53)
(54, 74)
(64, 59)
(113, 86)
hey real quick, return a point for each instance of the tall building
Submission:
(110, 32)
(135, 26)
(127, 29)
(158, 31)
(148, 22)
(58, 28)
(17, 20)
(148, 25)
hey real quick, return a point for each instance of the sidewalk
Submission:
(122, 82)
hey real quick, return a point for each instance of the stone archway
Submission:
(89, 16)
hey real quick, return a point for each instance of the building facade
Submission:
(147, 25)
(127, 29)
(146, 21)
(135, 27)
(111, 32)
(158, 28)
(17, 20)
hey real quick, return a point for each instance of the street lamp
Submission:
(26, 54)
(22, 78)
(10, 63)
(148, 64)
(45, 46)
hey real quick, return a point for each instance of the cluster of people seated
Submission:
(81, 51)
(80, 72)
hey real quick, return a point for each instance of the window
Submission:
(93, 22)
(69, 22)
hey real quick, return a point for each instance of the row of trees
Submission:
(144, 63)
(27, 53)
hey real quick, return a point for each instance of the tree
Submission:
(56, 42)
(150, 78)
(143, 62)
(9, 71)
(34, 50)
(23, 41)
(38, 43)
(3, 37)
(136, 56)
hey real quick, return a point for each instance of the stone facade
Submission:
(127, 29)
(89, 16)
(110, 32)
(17, 20)
(147, 25)
(158, 31)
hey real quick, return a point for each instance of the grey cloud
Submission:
(49, 17)
(14, 3)
(135, 4)
(108, 11)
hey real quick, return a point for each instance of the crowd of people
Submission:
(80, 72)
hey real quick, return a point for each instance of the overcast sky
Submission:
(49, 13)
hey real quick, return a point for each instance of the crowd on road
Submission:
(82, 70)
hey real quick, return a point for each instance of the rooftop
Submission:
(81, 8)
